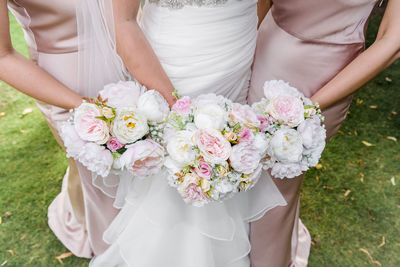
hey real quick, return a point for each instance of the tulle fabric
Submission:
(203, 50)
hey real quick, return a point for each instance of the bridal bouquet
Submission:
(119, 130)
(214, 148)
(293, 125)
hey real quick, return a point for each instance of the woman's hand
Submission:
(136, 52)
(380, 55)
(26, 76)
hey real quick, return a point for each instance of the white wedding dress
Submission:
(205, 46)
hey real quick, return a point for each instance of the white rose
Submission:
(180, 148)
(88, 126)
(313, 135)
(122, 94)
(97, 159)
(210, 116)
(129, 125)
(286, 146)
(72, 142)
(261, 143)
(154, 106)
(244, 158)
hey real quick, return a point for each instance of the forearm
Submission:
(366, 66)
(140, 59)
(263, 7)
(27, 77)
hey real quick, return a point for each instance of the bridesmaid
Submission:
(318, 47)
(80, 213)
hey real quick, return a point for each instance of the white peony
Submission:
(275, 88)
(206, 99)
(122, 94)
(129, 125)
(287, 170)
(180, 148)
(210, 116)
(88, 126)
(313, 135)
(244, 158)
(72, 142)
(245, 115)
(96, 158)
(261, 143)
(286, 146)
(154, 106)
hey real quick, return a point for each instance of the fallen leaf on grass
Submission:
(11, 252)
(370, 257)
(319, 166)
(4, 263)
(393, 180)
(373, 106)
(365, 143)
(317, 178)
(63, 256)
(27, 111)
(340, 132)
(362, 177)
(2, 114)
(359, 101)
(394, 113)
(383, 242)
(347, 193)
(23, 131)
(7, 214)
(355, 133)
(394, 139)
(0, 220)
(388, 79)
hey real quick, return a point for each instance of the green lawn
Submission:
(349, 205)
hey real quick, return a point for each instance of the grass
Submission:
(349, 204)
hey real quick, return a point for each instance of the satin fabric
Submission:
(203, 50)
(305, 43)
(79, 215)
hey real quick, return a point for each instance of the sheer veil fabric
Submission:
(155, 227)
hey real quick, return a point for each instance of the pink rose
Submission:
(287, 110)
(245, 158)
(245, 135)
(213, 146)
(203, 170)
(191, 190)
(245, 115)
(88, 127)
(122, 94)
(113, 144)
(183, 105)
(143, 158)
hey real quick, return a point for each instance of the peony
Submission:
(153, 106)
(129, 125)
(286, 146)
(261, 143)
(180, 148)
(287, 110)
(245, 115)
(113, 144)
(88, 126)
(191, 191)
(248, 181)
(213, 146)
(210, 116)
(313, 135)
(203, 170)
(206, 99)
(245, 135)
(287, 170)
(143, 158)
(275, 88)
(122, 94)
(72, 142)
(244, 158)
(183, 105)
(96, 159)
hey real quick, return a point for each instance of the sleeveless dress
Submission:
(80, 213)
(204, 48)
(305, 43)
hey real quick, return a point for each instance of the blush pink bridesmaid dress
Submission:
(80, 213)
(305, 43)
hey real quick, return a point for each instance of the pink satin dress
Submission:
(79, 215)
(305, 43)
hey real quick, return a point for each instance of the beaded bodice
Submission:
(181, 3)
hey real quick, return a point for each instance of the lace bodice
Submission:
(176, 4)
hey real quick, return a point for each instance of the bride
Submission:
(197, 47)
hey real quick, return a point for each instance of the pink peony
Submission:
(203, 170)
(143, 158)
(113, 144)
(183, 105)
(245, 135)
(191, 191)
(88, 127)
(245, 115)
(213, 146)
(287, 110)
(245, 158)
